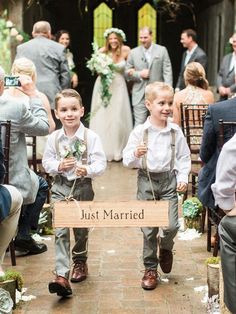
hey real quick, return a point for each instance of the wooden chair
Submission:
(226, 130)
(5, 134)
(35, 163)
(192, 121)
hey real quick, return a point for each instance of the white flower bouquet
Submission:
(103, 65)
(75, 149)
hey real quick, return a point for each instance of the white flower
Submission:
(103, 65)
(9, 24)
(6, 303)
(115, 31)
(19, 38)
(14, 32)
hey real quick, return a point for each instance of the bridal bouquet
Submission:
(103, 65)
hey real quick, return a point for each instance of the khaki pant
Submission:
(83, 191)
(9, 225)
(164, 186)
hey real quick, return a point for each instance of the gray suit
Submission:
(23, 121)
(226, 76)
(51, 64)
(198, 55)
(159, 70)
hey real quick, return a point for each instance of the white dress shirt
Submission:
(96, 162)
(189, 54)
(225, 184)
(159, 150)
(148, 54)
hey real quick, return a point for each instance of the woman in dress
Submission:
(113, 123)
(195, 92)
(63, 37)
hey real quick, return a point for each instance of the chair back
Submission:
(31, 142)
(5, 136)
(227, 129)
(192, 122)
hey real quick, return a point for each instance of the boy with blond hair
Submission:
(74, 156)
(159, 150)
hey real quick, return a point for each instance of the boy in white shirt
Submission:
(159, 150)
(72, 153)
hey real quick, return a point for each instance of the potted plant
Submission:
(213, 275)
(11, 281)
(192, 209)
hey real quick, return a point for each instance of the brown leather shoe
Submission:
(149, 280)
(60, 286)
(80, 272)
(166, 260)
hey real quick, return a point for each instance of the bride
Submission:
(113, 123)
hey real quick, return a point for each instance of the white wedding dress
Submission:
(114, 123)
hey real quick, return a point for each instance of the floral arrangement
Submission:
(75, 149)
(116, 31)
(192, 208)
(103, 65)
(6, 303)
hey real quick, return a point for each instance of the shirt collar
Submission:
(79, 134)
(149, 49)
(147, 125)
(192, 50)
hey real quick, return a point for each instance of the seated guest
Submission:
(224, 193)
(32, 188)
(195, 92)
(10, 204)
(26, 67)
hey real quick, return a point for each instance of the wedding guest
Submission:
(10, 202)
(226, 84)
(146, 64)
(112, 120)
(24, 66)
(193, 53)
(224, 194)
(50, 60)
(63, 37)
(32, 187)
(74, 156)
(196, 90)
(158, 149)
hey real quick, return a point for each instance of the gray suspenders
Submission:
(172, 161)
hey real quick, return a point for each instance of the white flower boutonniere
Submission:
(103, 65)
(74, 150)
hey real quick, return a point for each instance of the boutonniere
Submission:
(74, 150)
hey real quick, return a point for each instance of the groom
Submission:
(147, 63)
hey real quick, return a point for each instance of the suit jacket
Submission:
(198, 56)
(210, 147)
(23, 121)
(226, 76)
(159, 69)
(51, 64)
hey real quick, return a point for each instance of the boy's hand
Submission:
(81, 171)
(140, 150)
(181, 187)
(67, 164)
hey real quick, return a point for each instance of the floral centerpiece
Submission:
(103, 65)
(192, 209)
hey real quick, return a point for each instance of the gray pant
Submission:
(140, 113)
(164, 186)
(83, 191)
(227, 232)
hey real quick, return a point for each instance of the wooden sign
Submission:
(110, 214)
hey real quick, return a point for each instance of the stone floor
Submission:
(115, 268)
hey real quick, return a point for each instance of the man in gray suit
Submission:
(49, 58)
(147, 63)
(224, 193)
(193, 54)
(226, 78)
(32, 187)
